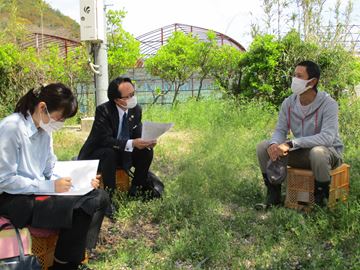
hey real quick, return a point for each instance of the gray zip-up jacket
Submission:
(320, 126)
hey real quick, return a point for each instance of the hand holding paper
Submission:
(95, 183)
(152, 131)
(141, 144)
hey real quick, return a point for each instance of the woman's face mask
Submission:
(298, 86)
(52, 125)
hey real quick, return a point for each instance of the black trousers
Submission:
(87, 213)
(111, 159)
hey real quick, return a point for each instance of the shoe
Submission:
(273, 196)
(260, 207)
(321, 193)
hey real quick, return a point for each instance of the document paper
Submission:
(80, 171)
(152, 131)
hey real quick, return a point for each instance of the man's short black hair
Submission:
(113, 89)
(312, 69)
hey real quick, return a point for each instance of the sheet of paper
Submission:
(152, 131)
(81, 173)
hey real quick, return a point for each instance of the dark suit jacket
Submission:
(105, 129)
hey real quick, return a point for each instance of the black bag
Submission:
(153, 188)
(21, 262)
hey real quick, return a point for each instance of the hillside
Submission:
(28, 12)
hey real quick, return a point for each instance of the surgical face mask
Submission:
(52, 125)
(131, 102)
(298, 86)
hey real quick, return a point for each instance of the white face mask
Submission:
(298, 86)
(131, 102)
(52, 125)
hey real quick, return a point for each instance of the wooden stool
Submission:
(122, 180)
(301, 184)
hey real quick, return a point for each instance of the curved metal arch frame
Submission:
(152, 41)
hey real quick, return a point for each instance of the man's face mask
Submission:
(131, 102)
(298, 86)
(52, 125)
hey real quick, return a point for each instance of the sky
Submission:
(230, 17)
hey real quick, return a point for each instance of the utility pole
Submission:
(101, 60)
(93, 31)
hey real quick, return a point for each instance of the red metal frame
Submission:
(65, 44)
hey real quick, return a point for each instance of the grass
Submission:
(206, 219)
(67, 143)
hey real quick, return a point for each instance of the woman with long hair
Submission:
(26, 164)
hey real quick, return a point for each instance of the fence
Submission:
(148, 87)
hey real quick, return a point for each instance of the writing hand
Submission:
(63, 184)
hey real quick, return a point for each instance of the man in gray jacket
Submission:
(312, 118)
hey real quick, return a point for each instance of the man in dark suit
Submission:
(115, 137)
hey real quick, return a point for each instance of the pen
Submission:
(56, 175)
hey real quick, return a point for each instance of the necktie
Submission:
(124, 132)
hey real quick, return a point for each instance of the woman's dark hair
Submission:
(312, 69)
(57, 97)
(113, 89)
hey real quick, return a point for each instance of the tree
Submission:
(174, 61)
(226, 67)
(274, 15)
(260, 68)
(41, 5)
(308, 18)
(340, 70)
(203, 58)
(123, 48)
(268, 65)
(23, 69)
